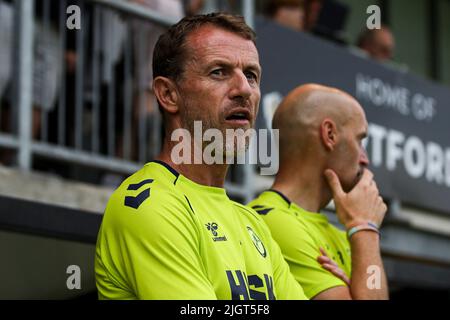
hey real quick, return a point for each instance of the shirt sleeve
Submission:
(301, 252)
(151, 252)
(287, 288)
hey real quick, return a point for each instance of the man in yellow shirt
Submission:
(170, 231)
(322, 158)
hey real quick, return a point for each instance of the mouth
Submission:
(240, 117)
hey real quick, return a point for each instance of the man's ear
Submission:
(166, 92)
(328, 134)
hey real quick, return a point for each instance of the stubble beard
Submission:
(230, 148)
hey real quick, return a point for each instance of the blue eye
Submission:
(217, 72)
(251, 76)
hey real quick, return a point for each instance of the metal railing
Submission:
(82, 96)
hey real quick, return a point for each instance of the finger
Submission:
(375, 187)
(328, 267)
(334, 263)
(367, 177)
(344, 278)
(323, 259)
(341, 275)
(338, 273)
(328, 260)
(383, 207)
(333, 182)
(323, 251)
(332, 269)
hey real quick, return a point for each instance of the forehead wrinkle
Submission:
(210, 41)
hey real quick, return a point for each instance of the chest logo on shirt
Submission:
(212, 226)
(257, 242)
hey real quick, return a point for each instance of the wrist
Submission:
(366, 226)
(363, 238)
(358, 222)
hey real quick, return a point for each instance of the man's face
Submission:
(220, 82)
(350, 157)
(382, 48)
(291, 17)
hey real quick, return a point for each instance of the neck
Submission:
(206, 174)
(304, 186)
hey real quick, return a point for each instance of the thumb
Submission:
(333, 182)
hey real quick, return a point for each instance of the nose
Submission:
(363, 158)
(240, 87)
